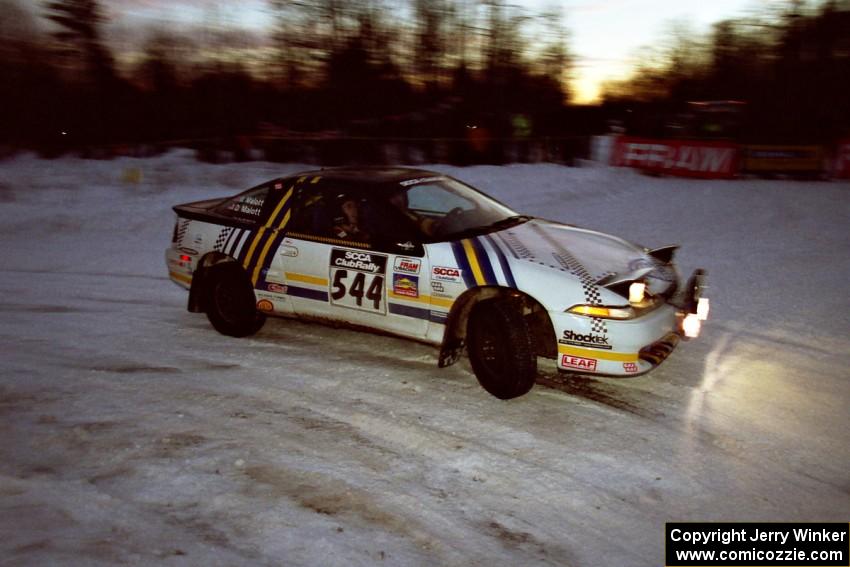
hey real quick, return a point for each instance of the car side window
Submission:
(387, 224)
(433, 199)
(331, 213)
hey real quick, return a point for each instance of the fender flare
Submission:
(196, 295)
(454, 338)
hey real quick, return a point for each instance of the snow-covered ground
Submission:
(131, 432)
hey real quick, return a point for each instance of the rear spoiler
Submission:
(197, 207)
(205, 211)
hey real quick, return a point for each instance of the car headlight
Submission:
(603, 312)
(637, 292)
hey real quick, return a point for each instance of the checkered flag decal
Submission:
(222, 239)
(588, 286)
(182, 227)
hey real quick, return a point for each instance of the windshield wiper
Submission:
(509, 222)
(500, 224)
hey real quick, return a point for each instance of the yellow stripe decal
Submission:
(473, 262)
(268, 245)
(295, 277)
(316, 179)
(435, 301)
(263, 229)
(254, 242)
(598, 353)
(441, 302)
(279, 207)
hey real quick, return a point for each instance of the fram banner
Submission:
(842, 160)
(686, 158)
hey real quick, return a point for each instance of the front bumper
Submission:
(629, 347)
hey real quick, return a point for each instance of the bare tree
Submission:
(79, 35)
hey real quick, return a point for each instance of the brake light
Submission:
(185, 258)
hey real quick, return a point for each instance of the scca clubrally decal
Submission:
(357, 260)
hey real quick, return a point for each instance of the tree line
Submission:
(788, 69)
(392, 68)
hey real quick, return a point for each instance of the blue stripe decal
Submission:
(307, 293)
(267, 261)
(439, 317)
(463, 264)
(503, 261)
(484, 262)
(245, 246)
(237, 232)
(408, 311)
(239, 241)
(418, 313)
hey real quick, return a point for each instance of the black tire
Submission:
(501, 349)
(229, 301)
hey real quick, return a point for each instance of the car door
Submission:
(257, 247)
(363, 279)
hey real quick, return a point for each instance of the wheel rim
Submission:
(226, 302)
(491, 344)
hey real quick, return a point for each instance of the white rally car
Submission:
(422, 255)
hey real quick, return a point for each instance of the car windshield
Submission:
(446, 209)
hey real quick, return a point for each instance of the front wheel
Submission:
(501, 349)
(230, 301)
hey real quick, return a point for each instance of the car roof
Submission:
(369, 176)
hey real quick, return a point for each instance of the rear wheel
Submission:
(230, 302)
(501, 349)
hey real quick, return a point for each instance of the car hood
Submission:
(585, 254)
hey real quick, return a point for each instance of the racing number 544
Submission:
(374, 291)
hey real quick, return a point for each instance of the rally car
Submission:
(422, 255)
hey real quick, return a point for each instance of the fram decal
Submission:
(445, 274)
(406, 285)
(630, 367)
(680, 157)
(579, 363)
(265, 305)
(276, 288)
(407, 265)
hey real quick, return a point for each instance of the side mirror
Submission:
(406, 248)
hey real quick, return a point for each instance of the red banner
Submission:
(685, 158)
(842, 160)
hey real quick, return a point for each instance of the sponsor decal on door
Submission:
(357, 280)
